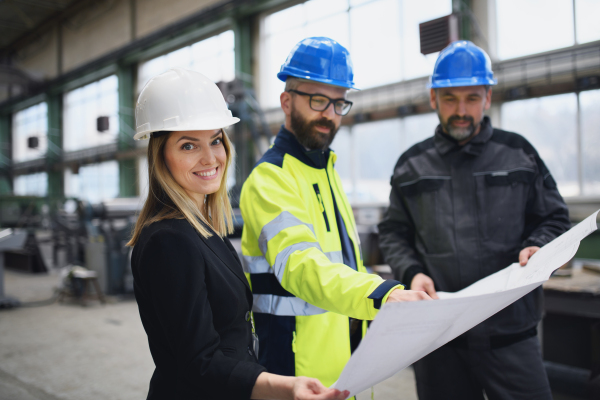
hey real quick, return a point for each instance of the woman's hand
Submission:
(270, 387)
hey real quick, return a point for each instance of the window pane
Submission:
(378, 146)
(94, 182)
(381, 35)
(318, 9)
(414, 63)
(213, 57)
(290, 18)
(533, 26)
(342, 146)
(31, 185)
(587, 12)
(30, 122)
(590, 141)
(334, 27)
(418, 128)
(376, 46)
(275, 52)
(143, 176)
(83, 106)
(548, 123)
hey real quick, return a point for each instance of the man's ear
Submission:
(488, 99)
(432, 99)
(286, 102)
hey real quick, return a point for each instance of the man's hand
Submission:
(526, 254)
(399, 295)
(424, 283)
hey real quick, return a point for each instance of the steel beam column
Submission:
(243, 31)
(128, 166)
(464, 10)
(54, 154)
(5, 154)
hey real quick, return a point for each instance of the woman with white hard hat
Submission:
(193, 297)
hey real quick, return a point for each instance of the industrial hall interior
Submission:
(374, 146)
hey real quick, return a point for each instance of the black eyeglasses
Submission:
(320, 102)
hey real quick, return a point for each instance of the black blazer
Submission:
(194, 302)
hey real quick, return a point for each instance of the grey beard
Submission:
(460, 134)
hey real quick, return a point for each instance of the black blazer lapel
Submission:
(222, 251)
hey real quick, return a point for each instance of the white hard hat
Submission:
(180, 100)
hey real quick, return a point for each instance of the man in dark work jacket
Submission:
(465, 204)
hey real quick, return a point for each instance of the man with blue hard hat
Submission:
(300, 245)
(466, 203)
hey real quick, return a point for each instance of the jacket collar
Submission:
(287, 142)
(445, 143)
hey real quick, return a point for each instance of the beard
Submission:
(459, 133)
(308, 136)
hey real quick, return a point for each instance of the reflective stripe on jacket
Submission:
(303, 293)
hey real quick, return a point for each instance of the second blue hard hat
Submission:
(319, 59)
(462, 64)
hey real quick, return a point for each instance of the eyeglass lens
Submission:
(319, 103)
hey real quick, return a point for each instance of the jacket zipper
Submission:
(320, 199)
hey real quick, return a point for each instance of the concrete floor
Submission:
(69, 352)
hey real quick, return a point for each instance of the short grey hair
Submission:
(292, 83)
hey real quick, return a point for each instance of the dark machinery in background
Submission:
(79, 233)
(23, 215)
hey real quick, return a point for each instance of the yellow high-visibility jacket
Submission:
(292, 253)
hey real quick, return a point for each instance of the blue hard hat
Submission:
(319, 59)
(462, 64)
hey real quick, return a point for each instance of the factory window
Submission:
(213, 57)
(590, 142)
(586, 17)
(29, 130)
(93, 182)
(542, 25)
(31, 185)
(143, 176)
(368, 152)
(342, 146)
(83, 107)
(381, 35)
(550, 125)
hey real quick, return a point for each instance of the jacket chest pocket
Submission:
(424, 197)
(501, 203)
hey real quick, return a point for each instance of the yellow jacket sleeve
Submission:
(278, 226)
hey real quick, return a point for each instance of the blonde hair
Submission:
(168, 200)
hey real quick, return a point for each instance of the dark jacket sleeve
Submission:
(546, 215)
(173, 274)
(397, 240)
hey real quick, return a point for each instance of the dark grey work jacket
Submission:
(460, 213)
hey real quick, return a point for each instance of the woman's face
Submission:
(196, 160)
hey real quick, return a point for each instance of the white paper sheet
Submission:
(403, 333)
